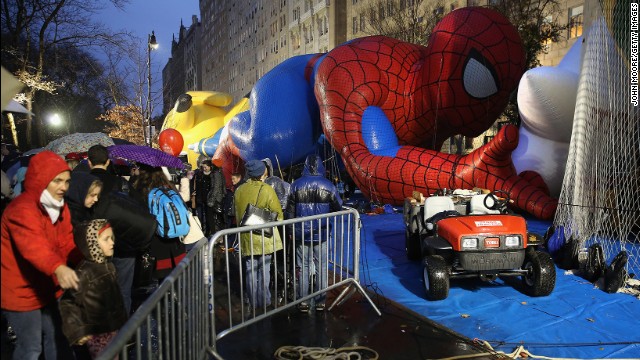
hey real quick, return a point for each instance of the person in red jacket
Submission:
(37, 246)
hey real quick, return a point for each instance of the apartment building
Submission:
(183, 71)
(245, 39)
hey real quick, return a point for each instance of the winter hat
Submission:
(86, 239)
(79, 186)
(255, 168)
(43, 167)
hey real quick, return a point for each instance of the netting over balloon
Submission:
(600, 196)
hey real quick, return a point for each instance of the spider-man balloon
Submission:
(386, 106)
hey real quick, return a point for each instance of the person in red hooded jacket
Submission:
(37, 246)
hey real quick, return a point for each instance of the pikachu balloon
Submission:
(197, 115)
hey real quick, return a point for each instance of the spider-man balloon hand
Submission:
(384, 103)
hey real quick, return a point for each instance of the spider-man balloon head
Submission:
(474, 58)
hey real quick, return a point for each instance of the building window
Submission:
(546, 27)
(362, 22)
(575, 21)
(354, 25)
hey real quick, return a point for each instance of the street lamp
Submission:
(151, 45)
(55, 120)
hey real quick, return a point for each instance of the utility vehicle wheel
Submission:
(540, 279)
(436, 277)
(412, 245)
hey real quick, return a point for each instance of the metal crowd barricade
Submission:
(204, 298)
(173, 321)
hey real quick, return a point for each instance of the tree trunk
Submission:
(29, 96)
(14, 131)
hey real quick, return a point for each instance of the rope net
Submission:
(600, 196)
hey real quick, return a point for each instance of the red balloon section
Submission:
(171, 141)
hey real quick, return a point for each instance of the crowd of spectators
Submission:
(48, 197)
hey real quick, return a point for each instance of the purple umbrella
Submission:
(145, 155)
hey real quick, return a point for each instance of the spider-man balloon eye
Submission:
(479, 76)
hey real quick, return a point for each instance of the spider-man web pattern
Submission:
(458, 84)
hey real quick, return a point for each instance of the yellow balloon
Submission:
(197, 115)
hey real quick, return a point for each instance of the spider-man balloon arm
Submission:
(382, 168)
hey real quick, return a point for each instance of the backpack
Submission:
(170, 211)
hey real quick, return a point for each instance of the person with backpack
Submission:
(166, 246)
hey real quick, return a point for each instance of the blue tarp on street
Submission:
(577, 320)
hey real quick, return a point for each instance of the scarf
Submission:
(53, 206)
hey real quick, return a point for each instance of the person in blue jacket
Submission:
(312, 194)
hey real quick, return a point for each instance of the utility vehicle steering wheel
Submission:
(497, 202)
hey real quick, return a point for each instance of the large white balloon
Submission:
(546, 157)
(547, 100)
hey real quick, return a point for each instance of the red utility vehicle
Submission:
(474, 236)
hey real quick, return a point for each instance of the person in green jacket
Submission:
(256, 249)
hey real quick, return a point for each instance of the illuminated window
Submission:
(546, 29)
(575, 21)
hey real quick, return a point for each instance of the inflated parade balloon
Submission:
(171, 141)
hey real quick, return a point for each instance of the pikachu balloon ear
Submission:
(219, 99)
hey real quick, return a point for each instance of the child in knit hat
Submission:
(92, 314)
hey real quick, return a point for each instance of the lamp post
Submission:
(151, 45)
